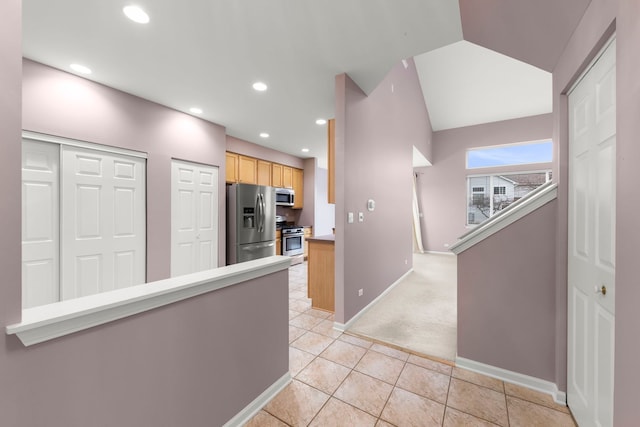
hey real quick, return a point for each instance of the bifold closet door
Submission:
(40, 223)
(103, 231)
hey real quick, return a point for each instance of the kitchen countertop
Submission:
(326, 238)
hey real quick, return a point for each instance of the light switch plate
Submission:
(360, 217)
(350, 217)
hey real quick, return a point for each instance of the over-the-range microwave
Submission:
(284, 197)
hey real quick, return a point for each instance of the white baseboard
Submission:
(243, 417)
(527, 381)
(344, 326)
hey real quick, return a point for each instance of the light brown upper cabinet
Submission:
(287, 177)
(298, 188)
(276, 175)
(248, 167)
(232, 167)
(264, 172)
(331, 151)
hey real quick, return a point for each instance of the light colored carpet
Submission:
(419, 313)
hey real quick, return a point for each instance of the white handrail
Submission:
(532, 201)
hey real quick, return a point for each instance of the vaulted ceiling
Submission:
(207, 54)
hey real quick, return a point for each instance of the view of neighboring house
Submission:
(493, 193)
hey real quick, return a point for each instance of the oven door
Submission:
(292, 244)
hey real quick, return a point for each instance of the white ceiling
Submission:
(207, 53)
(466, 84)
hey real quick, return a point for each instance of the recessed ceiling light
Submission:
(305, 150)
(195, 110)
(80, 68)
(264, 135)
(259, 86)
(136, 14)
(321, 122)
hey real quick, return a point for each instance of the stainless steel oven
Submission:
(292, 241)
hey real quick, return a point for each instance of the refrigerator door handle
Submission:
(258, 207)
(264, 213)
(259, 216)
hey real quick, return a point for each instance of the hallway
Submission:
(343, 380)
(420, 312)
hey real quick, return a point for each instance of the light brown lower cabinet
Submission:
(320, 273)
(278, 242)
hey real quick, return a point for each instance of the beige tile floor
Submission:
(343, 380)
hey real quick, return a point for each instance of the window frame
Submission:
(491, 176)
(507, 165)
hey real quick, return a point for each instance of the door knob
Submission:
(602, 290)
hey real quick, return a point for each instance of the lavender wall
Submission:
(250, 149)
(59, 103)
(374, 139)
(192, 363)
(506, 297)
(443, 187)
(601, 19)
(627, 375)
(10, 174)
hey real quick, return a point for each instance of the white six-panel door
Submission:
(40, 224)
(103, 231)
(194, 217)
(591, 256)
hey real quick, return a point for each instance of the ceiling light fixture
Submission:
(195, 110)
(136, 14)
(259, 86)
(264, 135)
(80, 68)
(305, 150)
(321, 122)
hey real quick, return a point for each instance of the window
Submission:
(509, 155)
(84, 220)
(507, 188)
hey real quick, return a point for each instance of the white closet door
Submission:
(194, 217)
(103, 222)
(591, 257)
(40, 224)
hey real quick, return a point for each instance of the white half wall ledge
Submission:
(55, 320)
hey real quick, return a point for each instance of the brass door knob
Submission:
(602, 290)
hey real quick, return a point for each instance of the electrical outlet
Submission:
(360, 292)
(406, 262)
(360, 217)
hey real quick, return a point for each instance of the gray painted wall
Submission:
(506, 297)
(374, 139)
(191, 363)
(601, 19)
(59, 103)
(443, 187)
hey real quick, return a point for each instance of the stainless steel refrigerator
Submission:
(251, 222)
